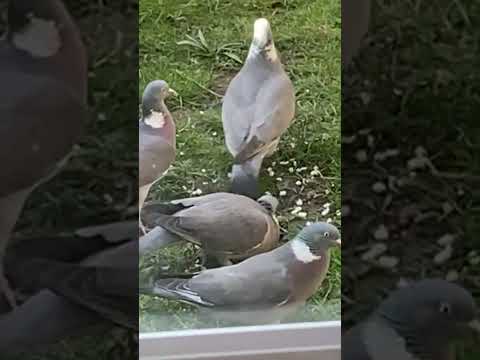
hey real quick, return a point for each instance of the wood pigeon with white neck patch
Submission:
(258, 107)
(417, 322)
(157, 143)
(43, 109)
(227, 226)
(263, 289)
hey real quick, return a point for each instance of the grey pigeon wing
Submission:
(42, 120)
(221, 227)
(204, 199)
(152, 210)
(237, 113)
(273, 113)
(155, 157)
(274, 108)
(226, 290)
(256, 284)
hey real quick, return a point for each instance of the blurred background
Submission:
(410, 154)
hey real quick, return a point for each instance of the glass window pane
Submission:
(198, 47)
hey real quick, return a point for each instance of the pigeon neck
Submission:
(149, 106)
(268, 54)
(303, 252)
(21, 13)
(45, 29)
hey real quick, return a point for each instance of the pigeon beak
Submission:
(475, 325)
(338, 242)
(172, 92)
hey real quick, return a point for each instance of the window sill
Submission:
(316, 340)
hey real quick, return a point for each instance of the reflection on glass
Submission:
(198, 48)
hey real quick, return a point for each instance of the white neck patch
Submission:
(302, 252)
(40, 38)
(156, 120)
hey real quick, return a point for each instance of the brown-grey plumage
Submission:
(97, 271)
(355, 21)
(418, 322)
(157, 141)
(263, 288)
(43, 109)
(258, 107)
(227, 226)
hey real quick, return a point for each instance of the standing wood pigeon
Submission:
(258, 107)
(156, 138)
(43, 109)
(264, 288)
(418, 322)
(227, 226)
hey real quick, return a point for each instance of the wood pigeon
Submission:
(156, 138)
(227, 226)
(262, 289)
(92, 279)
(355, 22)
(417, 322)
(258, 107)
(43, 110)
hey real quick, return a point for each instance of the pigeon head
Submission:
(434, 310)
(262, 42)
(154, 96)
(314, 240)
(269, 202)
(262, 34)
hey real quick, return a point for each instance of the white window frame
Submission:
(313, 341)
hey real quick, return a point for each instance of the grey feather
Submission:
(156, 238)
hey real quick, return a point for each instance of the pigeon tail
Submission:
(244, 183)
(156, 239)
(174, 289)
(163, 288)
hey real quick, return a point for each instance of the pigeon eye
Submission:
(326, 234)
(445, 308)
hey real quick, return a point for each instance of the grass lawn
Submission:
(415, 84)
(307, 166)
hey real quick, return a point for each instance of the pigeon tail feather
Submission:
(155, 239)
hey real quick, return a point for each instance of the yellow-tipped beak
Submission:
(173, 92)
(475, 325)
